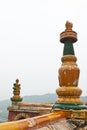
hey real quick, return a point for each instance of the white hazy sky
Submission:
(29, 43)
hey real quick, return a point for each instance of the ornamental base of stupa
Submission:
(69, 94)
(69, 106)
(72, 100)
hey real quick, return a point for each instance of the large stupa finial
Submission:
(68, 74)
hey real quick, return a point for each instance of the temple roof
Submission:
(50, 121)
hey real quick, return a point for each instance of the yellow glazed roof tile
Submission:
(32, 123)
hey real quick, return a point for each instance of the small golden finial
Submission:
(16, 92)
(68, 25)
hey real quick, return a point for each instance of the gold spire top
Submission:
(68, 25)
(68, 34)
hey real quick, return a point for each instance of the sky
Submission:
(30, 47)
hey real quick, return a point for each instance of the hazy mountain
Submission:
(46, 98)
(3, 110)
